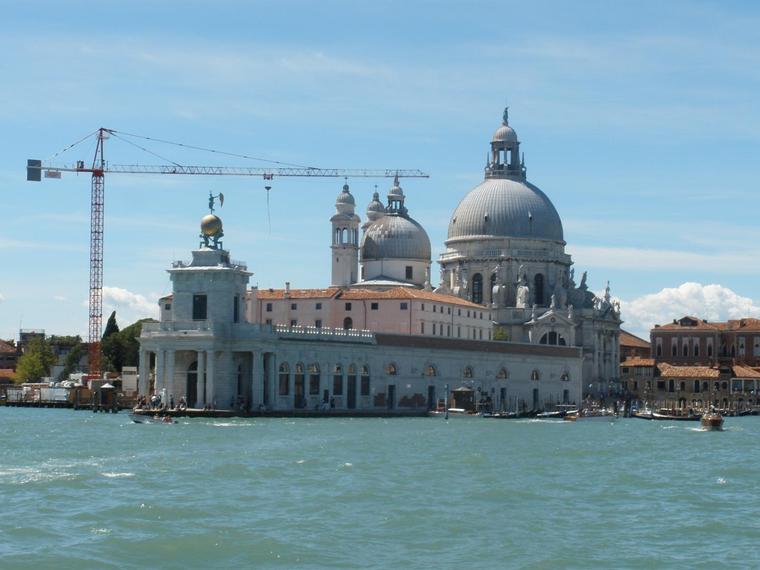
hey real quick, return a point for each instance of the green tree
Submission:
(123, 348)
(36, 361)
(111, 326)
(500, 333)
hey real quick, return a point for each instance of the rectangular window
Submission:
(293, 322)
(448, 330)
(409, 272)
(269, 321)
(348, 306)
(449, 311)
(319, 306)
(433, 328)
(404, 306)
(423, 306)
(199, 307)
(168, 307)
(318, 323)
(422, 328)
(468, 314)
(434, 308)
(374, 306)
(236, 309)
(459, 312)
(269, 307)
(459, 332)
(337, 385)
(293, 306)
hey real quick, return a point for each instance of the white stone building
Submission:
(506, 250)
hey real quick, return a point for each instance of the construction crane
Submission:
(99, 168)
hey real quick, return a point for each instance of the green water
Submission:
(82, 490)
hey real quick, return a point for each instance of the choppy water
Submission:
(81, 490)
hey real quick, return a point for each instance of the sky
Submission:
(638, 119)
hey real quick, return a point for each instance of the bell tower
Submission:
(345, 240)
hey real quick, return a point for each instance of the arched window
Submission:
(696, 348)
(348, 324)
(284, 379)
(337, 380)
(659, 350)
(552, 338)
(538, 288)
(391, 369)
(467, 372)
(674, 349)
(709, 349)
(683, 386)
(502, 374)
(430, 370)
(477, 288)
(535, 375)
(685, 349)
(314, 379)
(299, 386)
(344, 236)
(565, 377)
(336, 237)
(365, 381)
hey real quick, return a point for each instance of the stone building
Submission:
(207, 350)
(506, 250)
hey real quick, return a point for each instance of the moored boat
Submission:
(154, 419)
(669, 415)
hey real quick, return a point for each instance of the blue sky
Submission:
(638, 119)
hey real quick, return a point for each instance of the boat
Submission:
(155, 419)
(669, 415)
(712, 420)
(559, 413)
(643, 414)
(591, 414)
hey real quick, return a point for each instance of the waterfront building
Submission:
(632, 346)
(207, 350)
(8, 355)
(695, 362)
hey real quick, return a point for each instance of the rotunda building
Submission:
(506, 231)
(395, 248)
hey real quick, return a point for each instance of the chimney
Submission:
(287, 289)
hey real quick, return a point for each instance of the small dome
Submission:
(504, 133)
(375, 209)
(505, 207)
(345, 197)
(211, 225)
(395, 237)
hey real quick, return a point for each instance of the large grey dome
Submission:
(506, 207)
(395, 237)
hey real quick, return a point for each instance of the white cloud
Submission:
(129, 306)
(662, 259)
(59, 298)
(711, 302)
(1, 298)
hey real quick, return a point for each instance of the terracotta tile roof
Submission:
(699, 324)
(636, 361)
(627, 339)
(328, 293)
(748, 324)
(7, 373)
(745, 372)
(360, 294)
(7, 347)
(408, 293)
(671, 371)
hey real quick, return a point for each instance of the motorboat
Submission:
(148, 419)
(671, 415)
(712, 420)
(592, 414)
(559, 413)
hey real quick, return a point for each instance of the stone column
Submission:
(256, 392)
(170, 391)
(201, 382)
(159, 371)
(144, 372)
(210, 372)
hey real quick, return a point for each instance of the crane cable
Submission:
(145, 149)
(213, 150)
(72, 145)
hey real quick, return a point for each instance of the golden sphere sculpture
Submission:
(211, 225)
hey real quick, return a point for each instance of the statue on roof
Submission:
(505, 117)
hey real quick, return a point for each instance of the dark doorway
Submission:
(391, 397)
(299, 388)
(192, 385)
(535, 398)
(431, 402)
(503, 398)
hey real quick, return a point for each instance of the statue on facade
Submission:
(427, 286)
(560, 293)
(583, 286)
(497, 291)
(523, 292)
(533, 312)
(570, 312)
(553, 302)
